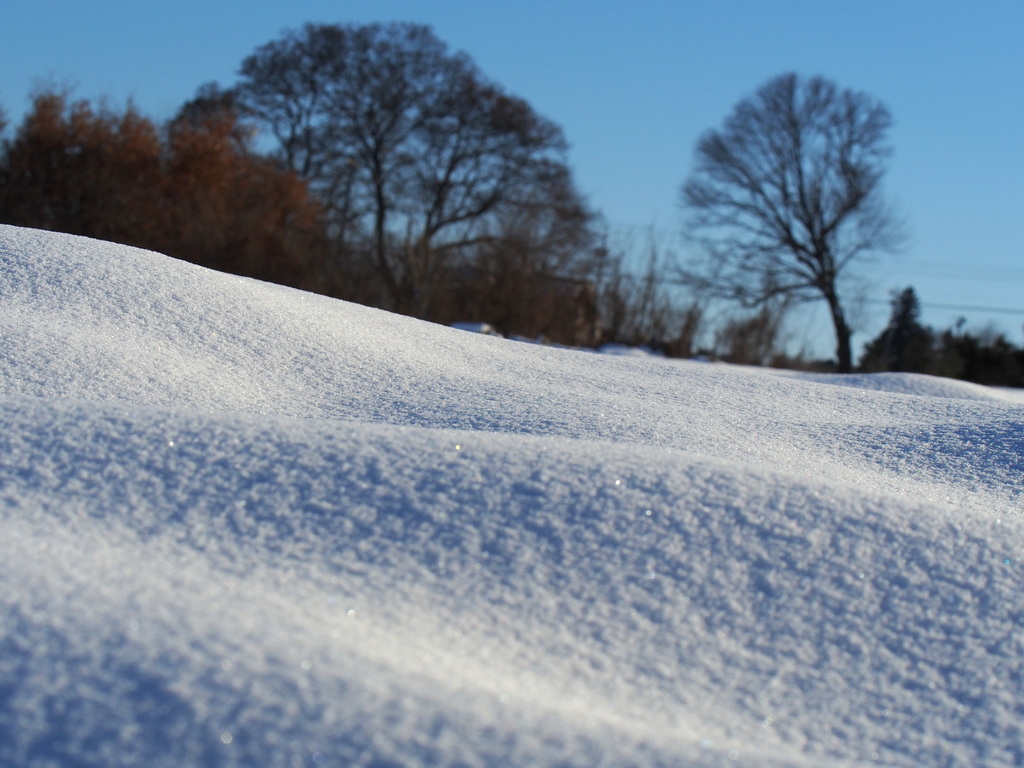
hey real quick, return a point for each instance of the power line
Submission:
(972, 308)
(982, 274)
(950, 266)
(960, 307)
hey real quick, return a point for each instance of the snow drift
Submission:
(244, 525)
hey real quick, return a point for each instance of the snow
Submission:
(484, 328)
(244, 525)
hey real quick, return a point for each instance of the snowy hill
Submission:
(244, 525)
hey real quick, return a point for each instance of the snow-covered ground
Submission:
(242, 525)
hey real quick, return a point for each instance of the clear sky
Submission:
(633, 85)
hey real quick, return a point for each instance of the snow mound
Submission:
(918, 384)
(244, 525)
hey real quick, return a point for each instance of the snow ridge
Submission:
(243, 525)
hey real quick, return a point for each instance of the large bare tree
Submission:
(413, 151)
(787, 194)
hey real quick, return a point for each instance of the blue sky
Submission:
(634, 85)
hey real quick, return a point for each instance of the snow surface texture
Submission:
(241, 525)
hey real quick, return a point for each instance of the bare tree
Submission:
(533, 267)
(787, 194)
(639, 305)
(286, 86)
(410, 147)
(754, 339)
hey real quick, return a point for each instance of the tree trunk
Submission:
(844, 354)
(380, 234)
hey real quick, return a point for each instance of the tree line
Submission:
(369, 163)
(907, 345)
(373, 164)
(193, 189)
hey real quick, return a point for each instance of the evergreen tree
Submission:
(905, 345)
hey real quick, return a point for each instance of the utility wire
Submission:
(959, 307)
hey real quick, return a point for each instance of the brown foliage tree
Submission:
(194, 191)
(74, 169)
(234, 210)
